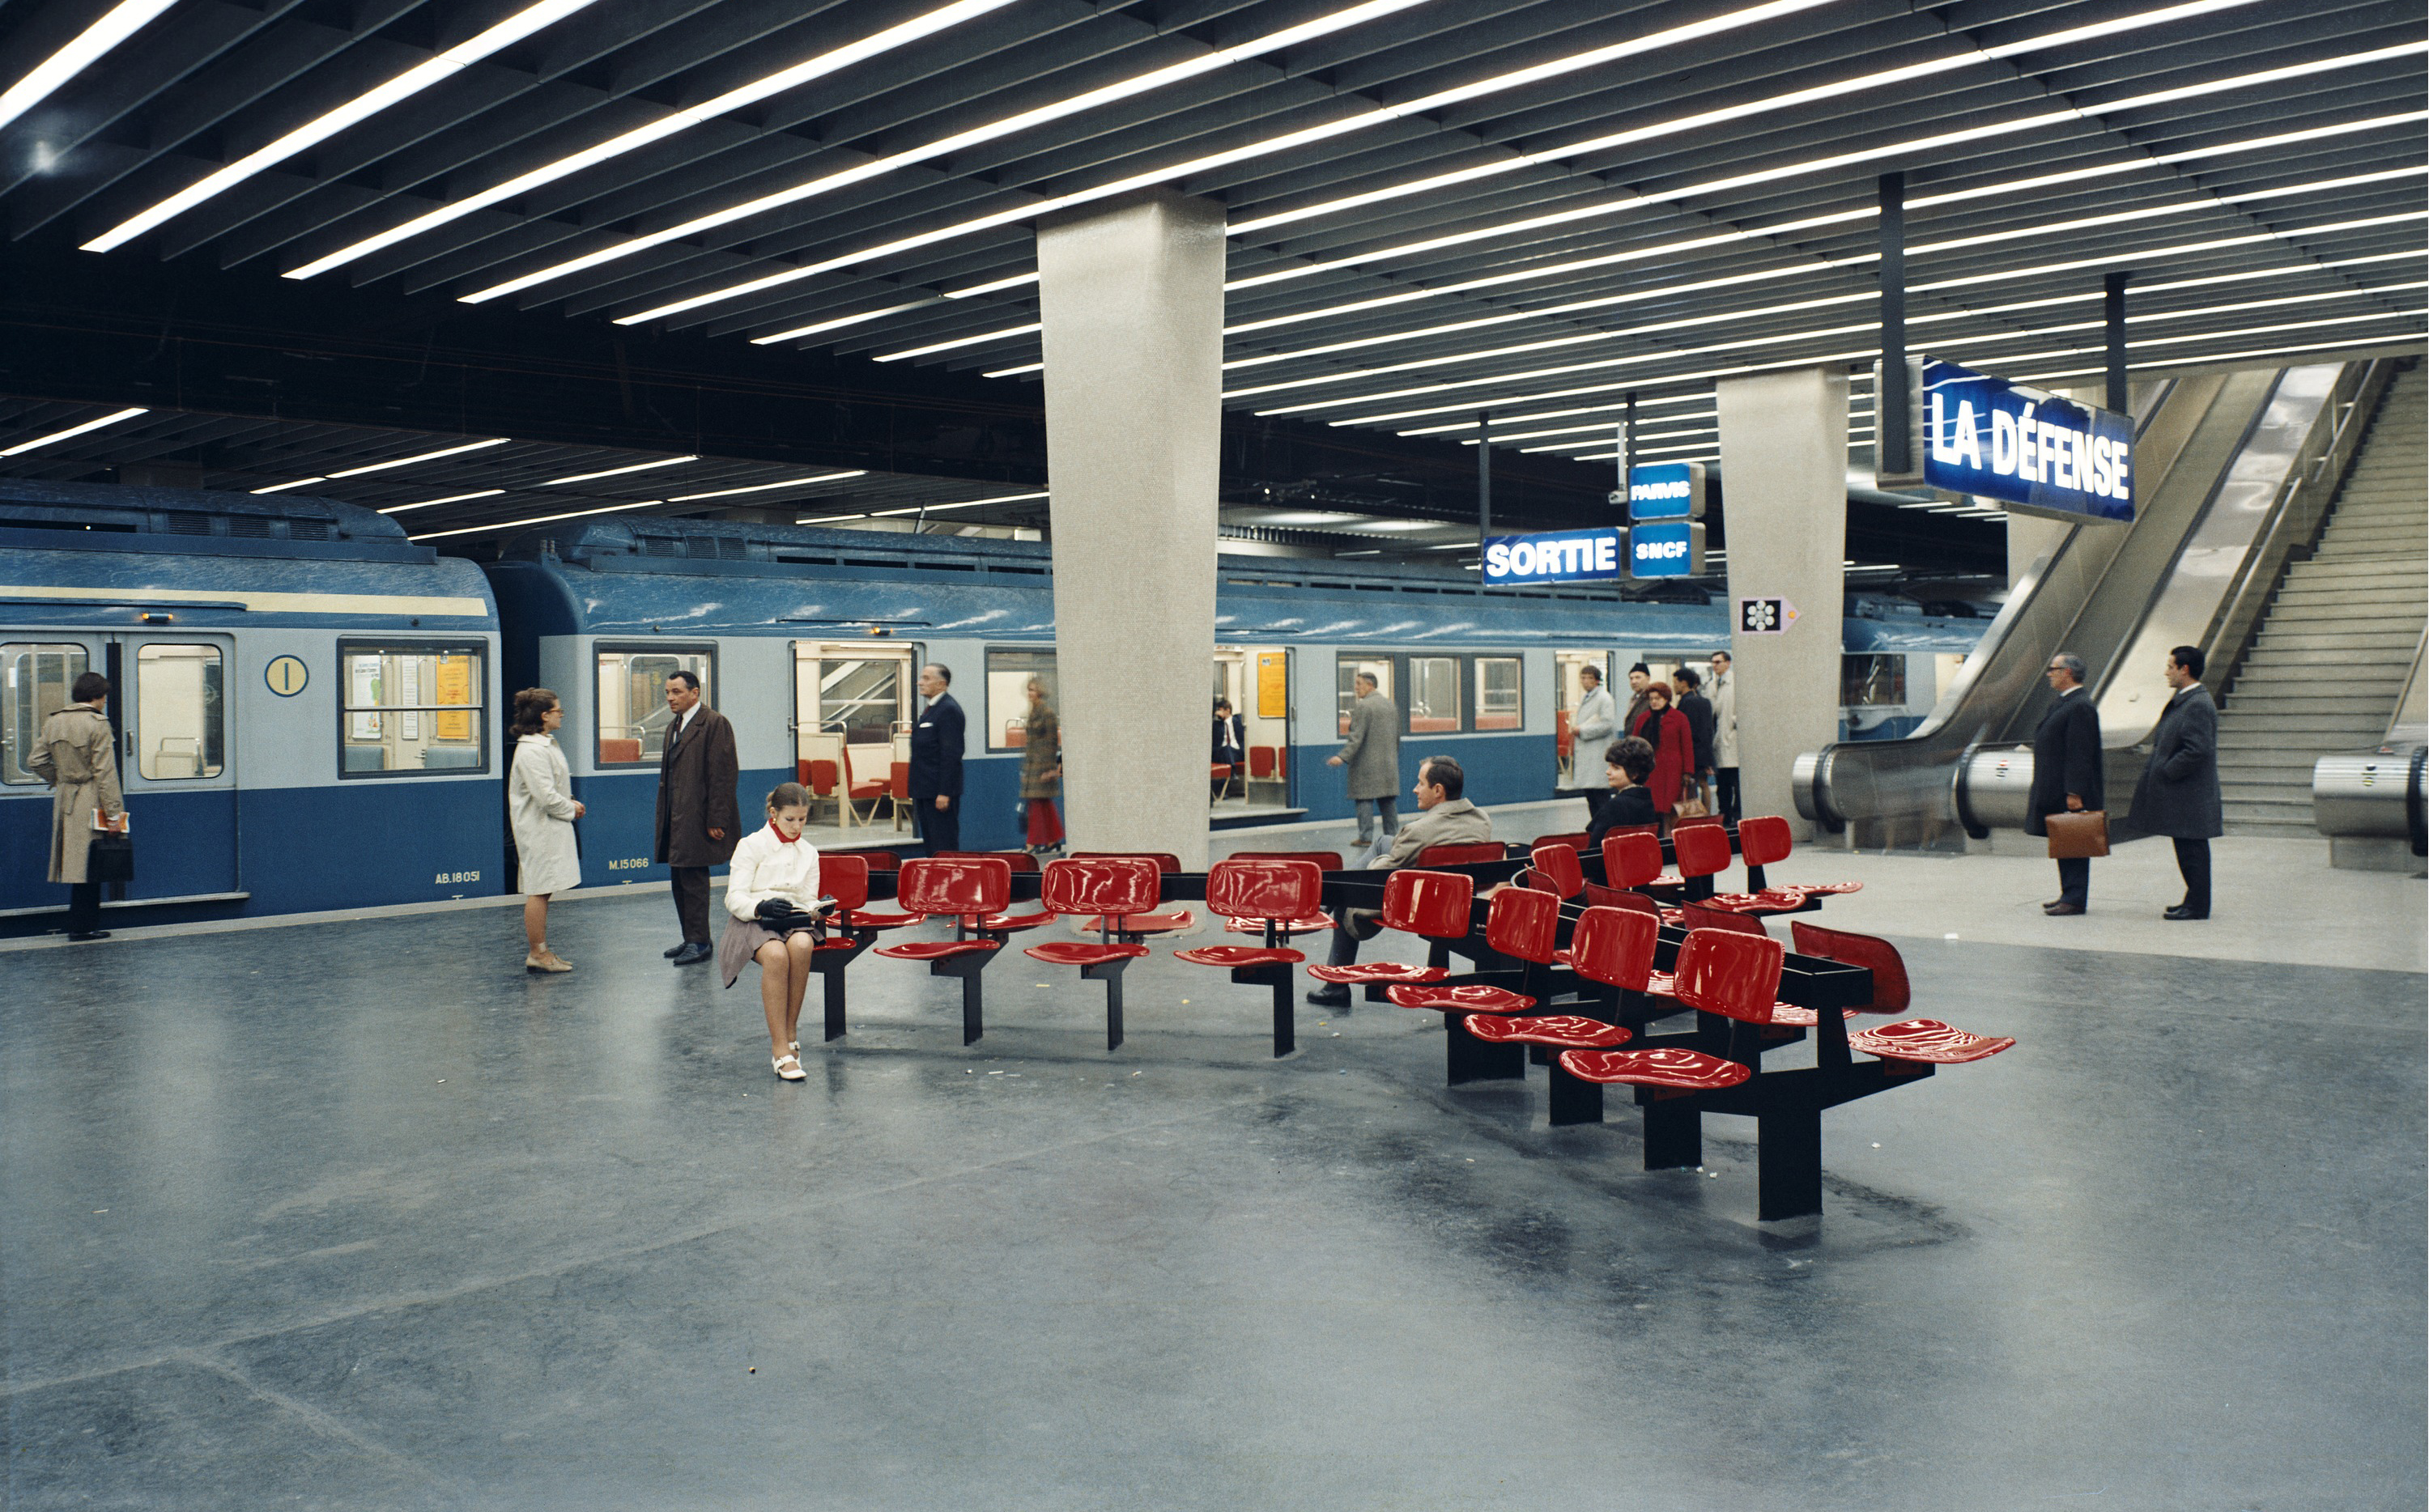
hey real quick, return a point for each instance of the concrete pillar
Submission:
(1131, 295)
(1784, 481)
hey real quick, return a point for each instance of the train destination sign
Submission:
(2026, 446)
(1666, 490)
(1556, 556)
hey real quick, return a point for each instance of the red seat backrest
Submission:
(1633, 902)
(844, 877)
(1164, 860)
(1523, 924)
(1282, 762)
(1699, 918)
(1615, 946)
(820, 776)
(1891, 991)
(1261, 762)
(955, 884)
(1574, 841)
(1433, 904)
(1102, 884)
(1630, 858)
(879, 861)
(1467, 854)
(1764, 840)
(1736, 976)
(1264, 888)
(1327, 860)
(1702, 849)
(1019, 861)
(899, 781)
(1682, 821)
(612, 749)
(1559, 864)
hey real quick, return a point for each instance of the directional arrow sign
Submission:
(1766, 616)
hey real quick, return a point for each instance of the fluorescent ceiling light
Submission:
(536, 520)
(292, 482)
(421, 456)
(682, 120)
(1377, 116)
(1007, 126)
(1016, 281)
(616, 473)
(979, 339)
(321, 129)
(73, 430)
(829, 520)
(842, 320)
(116, 24)
(912, 509)
(765, 487)
(451, 499)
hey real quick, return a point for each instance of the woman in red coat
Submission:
(1672, 740)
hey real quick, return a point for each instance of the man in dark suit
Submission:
(2178, 795)
(936, 762)
(699, 821)
(2066, 774)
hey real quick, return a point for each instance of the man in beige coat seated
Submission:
(1446, 818)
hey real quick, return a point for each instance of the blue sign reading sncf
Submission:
(1556, 556)
(2033, 449)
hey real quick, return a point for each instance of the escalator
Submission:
(2222, 458)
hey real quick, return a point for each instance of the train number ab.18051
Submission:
(445, 878)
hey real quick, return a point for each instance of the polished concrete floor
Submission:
(358, 1215)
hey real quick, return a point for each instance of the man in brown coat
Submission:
(699, 821)
(77, 755)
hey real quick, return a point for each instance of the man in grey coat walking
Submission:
(1373, 756)
(2178, 795)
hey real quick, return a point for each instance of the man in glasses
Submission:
(2066, 774)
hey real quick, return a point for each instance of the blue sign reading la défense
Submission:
(2026, 446)
(1556, 556)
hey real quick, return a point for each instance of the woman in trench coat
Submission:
(541, 806)
(76, 753)
(1041, 773)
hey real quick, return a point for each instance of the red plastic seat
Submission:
(1316, 923)
(1524, 925)
(1267, 891)
(1460, 997)
(1666, 1067)
(1567, 1031)
(1260, 764)
(1612, 897)
(963, 888)
(844, 877)
(1891, 991)
(1736, 976)
(1765, 839)
(1166, 861)
(1437, 905)
(1107, 888)
(1019, 861)
(1472, 853)
(1702, 849)
(1927, 1040)
(1696, 917)
(1630, 858)
(1575, 840)
(1613, 946)
(1013, 922)
(1557, 864)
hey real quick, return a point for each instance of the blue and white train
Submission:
(313, 711)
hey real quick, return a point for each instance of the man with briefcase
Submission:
(2067, 793)
(76, 753)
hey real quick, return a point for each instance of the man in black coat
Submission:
(698, 822)
(936, 762)
(2178, 795)
(2066, 773)
(1689, 684)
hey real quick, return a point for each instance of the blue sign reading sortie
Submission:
(2030, 449)
(1555, 556)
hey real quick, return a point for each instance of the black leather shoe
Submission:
(1333, 996)
(693, 954)
(80, 936)
(2059, 910)
(675, 949)
(2180, 911)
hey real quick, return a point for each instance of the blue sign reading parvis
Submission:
(1555, 556)
(2034, 451)
(1666, 490)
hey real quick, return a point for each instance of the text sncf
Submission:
(2031, 450)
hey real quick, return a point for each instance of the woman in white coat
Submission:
(541, 806)
(770, 883)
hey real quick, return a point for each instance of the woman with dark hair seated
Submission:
(772, 883)
(1625, 765)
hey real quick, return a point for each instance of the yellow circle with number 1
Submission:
(286, 676)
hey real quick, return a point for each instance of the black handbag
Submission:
(110, 858)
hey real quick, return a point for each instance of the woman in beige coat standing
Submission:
(77, 755)
(541, 806)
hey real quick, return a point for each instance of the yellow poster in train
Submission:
(1273, 684)
(455, 687)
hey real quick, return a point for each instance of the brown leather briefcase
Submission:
(2074, 835)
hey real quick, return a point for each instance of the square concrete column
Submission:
(1130, 296)
(1784, 493)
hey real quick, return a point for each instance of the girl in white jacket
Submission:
(775, 874)
(542, 808)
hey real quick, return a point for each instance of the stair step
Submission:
(2358, 731)
(2316, 573)
(2334, 643)
(2273, 664)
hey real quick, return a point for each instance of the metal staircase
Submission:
(2330, 656)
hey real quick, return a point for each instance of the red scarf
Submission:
(781, 837)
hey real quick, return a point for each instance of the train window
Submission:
(1008, 675)
(1346, 670)
(37, 680)
(1872, 681)
(1497, 694)
(180, 711)
(411, 709)
(633, 717)
(1433, 695)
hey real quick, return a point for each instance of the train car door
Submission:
(177, 761)
(1569, 691)
(37, 669)
(853, 707)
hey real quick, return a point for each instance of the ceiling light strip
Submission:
(768, 487)
(536, 520)
(43, 80)
(321, 129)
(72, 431)
(617, 472)
(981, 339)
(451, 499)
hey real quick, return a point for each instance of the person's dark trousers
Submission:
(2074, 880)
(691, 901)
(940, 830)
(1345, 943)
(1726, 779)
(2192, 859)
(84, 905)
